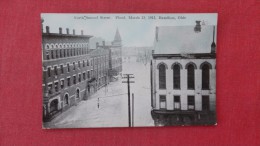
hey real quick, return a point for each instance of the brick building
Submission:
(71, 71)
(183, 76)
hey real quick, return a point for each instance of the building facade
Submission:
(115, 65)
(183, 84)
(71, 71)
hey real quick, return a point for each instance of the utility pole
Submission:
(128, 76)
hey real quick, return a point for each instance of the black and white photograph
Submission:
(104, 70)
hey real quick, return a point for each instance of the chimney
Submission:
(104, 43)
(73, 31)
(82, 32)
(97, 44)
(47, 29)
(68, 31)
(60, 30)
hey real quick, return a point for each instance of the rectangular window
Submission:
(64, 52)
(68, 52)
(177, 103)
(84, 76)
(61, 53)
(79, 64)
(55, 70)
(162, 102)
(49, 72)
(205, 103)
(68, 67)
(52, 54)
(61, 69)
(79, 77)
(56, 86)
(74, 66)
(50, 88)
(74, 79)
(191, 103)
(68, 81)
(88, 75)
(57, 53)
(47, 55)
(83, 63)
(61, 84)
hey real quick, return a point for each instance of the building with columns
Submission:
(183, 76)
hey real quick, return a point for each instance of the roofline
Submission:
(66, 35)
(191, 55)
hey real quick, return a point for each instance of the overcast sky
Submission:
(134, 32)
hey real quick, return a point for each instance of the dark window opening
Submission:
(61, 69)
(47, 55)
(61, 53)
(177, 103)
(74, 80)
(191, 103)
(74, 66)
(84, 76)
(162, 76)
(55, 70)
(176, 77)
(77, 94)
(83, 63)
(52, 54)
(205, 77)
(68, 82)
(62, 84)
(56, 86)
(66, 99)
(49, 72)
(57, 53)
(68, 67)
(191, 82)
(79, 77)
(50, 88)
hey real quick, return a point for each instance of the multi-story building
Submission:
(100, 57)
(183, 76)
(115, 64)
(68, 70)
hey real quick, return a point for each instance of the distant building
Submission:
(115, 54)
(115, 64)
(183, 76)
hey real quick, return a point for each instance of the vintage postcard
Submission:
(128, 70)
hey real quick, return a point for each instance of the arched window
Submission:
(54, 105)
(176, 76)
(66, 99)
(77, 93)
(162, 76)
(205, 76)
(190, 74)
